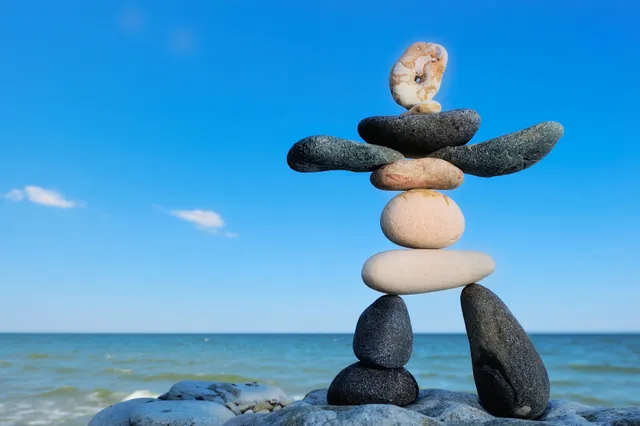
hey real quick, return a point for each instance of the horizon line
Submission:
(559, 333)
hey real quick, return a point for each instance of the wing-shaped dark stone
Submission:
(323, 153)
(419, 135)
(510, 377)
(383, 336)
(359, 385)
(505, 154)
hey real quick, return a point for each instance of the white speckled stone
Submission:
(421, 218)
(248, 394)
(422, 271)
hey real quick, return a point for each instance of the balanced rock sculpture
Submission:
(420, 152)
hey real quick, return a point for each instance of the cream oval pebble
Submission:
(401, 272)
(421, 173)
(421, 218)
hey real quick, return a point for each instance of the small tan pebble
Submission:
(287, 402)
(277, 408)
(422, 219)
(426, 107)
(265, 411)
(416, 77)
(249, 411)
(233, 407)
(422, 173)
(244, 406)
(262, 406)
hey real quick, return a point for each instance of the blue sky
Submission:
(122, 123)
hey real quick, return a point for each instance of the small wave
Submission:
(39, 355)
(67, 370)
(145, 361)
(30, 368)
(588, 400)
(61, 391)
(4, 364)
(142, 393)
(605, 368)
(176, 377)
(565, 382)
(118, 370)
(101, 394)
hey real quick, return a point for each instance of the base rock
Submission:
(433, 407)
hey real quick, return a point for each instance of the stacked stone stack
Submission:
(421, 152)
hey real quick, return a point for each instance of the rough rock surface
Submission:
(440, 407)
(358, 384)
(323, 153)
(510, 376)
(433, 407)
(180, 413)
(118, 414)
(303, 414)
(418, 136)
(383, 335)
(223, 392)
(505, 154)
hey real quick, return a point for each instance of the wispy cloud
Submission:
(204, 220)
(44, 197)
(14, 195)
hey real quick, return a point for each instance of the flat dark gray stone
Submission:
(419, 135)
(323, 153)
(383, 336)
(505, 154)
(510, 377)
(358, 385)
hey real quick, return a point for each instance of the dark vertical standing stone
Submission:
(510, 377)
(383, 336)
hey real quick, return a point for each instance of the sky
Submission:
(144, 177)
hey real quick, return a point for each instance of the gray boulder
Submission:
(118, 414)
(323, 415)
(180, 413)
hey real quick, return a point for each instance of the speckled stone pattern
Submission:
(422, 173)
(419, 135)
(383, 336)
(358, 384)
(180, 413)
(422, 219)
(510, 377)
(505, 154)
(323, 153)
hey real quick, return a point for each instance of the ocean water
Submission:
(56, 379)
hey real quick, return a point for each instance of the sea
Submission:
(64, 379)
